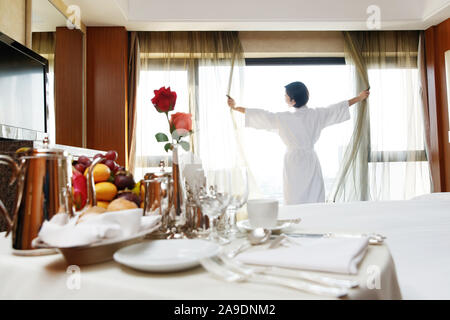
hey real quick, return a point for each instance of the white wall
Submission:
(13, 19)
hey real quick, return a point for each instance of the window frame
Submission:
(373, 156)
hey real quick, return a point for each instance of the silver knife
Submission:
(374, 238)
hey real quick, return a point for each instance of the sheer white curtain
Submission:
(216, 140)
(398, 167)
(386, 157)
(155, 74)
(202, 67)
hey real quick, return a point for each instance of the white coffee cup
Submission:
(262, 213)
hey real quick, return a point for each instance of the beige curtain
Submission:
(422, 65)
(134, 67)
(366, 171)
(202, 67)
(44, 42)
(352, 177)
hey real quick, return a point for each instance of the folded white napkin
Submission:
(62, 232)
(338, 255)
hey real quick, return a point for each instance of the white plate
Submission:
(166, 255)
(245, 224)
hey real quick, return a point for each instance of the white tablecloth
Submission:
(418, 234)
(46, 277)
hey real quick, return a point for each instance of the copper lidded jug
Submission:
(44, 188)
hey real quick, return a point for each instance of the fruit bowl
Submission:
(101, 251)
(102, 180)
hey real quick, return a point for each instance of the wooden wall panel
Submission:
(437, 41)
(69, 87)
(106, 89)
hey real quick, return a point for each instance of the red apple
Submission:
(84, 161)
(111, 155)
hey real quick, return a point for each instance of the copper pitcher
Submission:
(159, 196)
(44, 188)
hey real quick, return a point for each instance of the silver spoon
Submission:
(255, 237)
(259, 236)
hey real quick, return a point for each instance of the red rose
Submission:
(181, 121)
(164, 99)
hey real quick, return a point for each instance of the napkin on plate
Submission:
(338, 255)
(62, 232)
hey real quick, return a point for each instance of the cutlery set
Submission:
(224, 267)
(228, 270)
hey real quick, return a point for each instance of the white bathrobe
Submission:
(300, 130)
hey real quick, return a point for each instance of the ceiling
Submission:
(260, 15)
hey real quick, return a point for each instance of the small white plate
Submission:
(245, 225)
(166, 255)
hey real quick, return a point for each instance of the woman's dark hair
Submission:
(298, 91)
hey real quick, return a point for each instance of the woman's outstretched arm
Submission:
(362, 96)
(256, 118)
(232, 105)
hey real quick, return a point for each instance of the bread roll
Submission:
(90, 212)
(121, 204)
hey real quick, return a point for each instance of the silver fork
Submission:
(242, 247)
(218, 269)
(283, 272)
(288, 273)
(246, 245)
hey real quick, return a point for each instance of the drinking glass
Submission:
(239, 197)
(213, 197)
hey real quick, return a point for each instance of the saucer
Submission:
(245, 225)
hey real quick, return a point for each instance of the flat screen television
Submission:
(23, 91)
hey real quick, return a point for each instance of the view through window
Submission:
(327, 84)
(264, 88)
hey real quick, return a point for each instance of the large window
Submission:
(398, 166)
(396, 149)
(264, 88)
(149, 152)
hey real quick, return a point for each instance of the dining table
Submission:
(51, 277)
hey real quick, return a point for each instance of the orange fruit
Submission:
(103, 204)
(105, 191)
(101, 172)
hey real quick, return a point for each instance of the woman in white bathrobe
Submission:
(300, 129)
